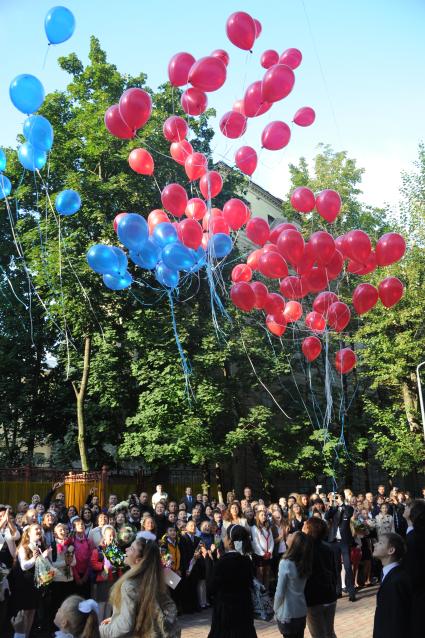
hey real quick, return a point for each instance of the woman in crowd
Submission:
(296, 518)
(107, 561)
(82, 552)
(148, 528)
(233, 516)
(26, 596)
(71, 512)
(229, 581)
(141, 605)
(48, 525)
(384, 521)
(95, 536)
(63, 562)
(262, 546)
(294, 569)
(279, 527)
(87, 517)
(9, 536)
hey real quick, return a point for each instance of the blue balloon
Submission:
(59, 25)
(177, 257)
(148, 255)
(118, 283)
(166, 276)
(39, 131)
(103, 260)
(68, 202)
(26, 93)
(31, 157)
(221, 245)
(133, 231)
(199, 255)
(2, 160)
(5, 186)
(164, 233)
(122, 260)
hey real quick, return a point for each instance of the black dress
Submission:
(25, 594)
(229, 582)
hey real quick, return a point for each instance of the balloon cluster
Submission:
(313, 265)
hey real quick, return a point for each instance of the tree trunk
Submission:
(410, 400)
(80, 395)
(218, 481)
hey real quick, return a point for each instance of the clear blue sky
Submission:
(362, 71)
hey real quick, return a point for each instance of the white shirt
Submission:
(158, 496)
(386, 570)
(409, 529)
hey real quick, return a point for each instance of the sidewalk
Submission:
(352, 619)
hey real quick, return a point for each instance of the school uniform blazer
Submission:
(393, 606)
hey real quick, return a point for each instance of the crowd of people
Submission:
(130, 568)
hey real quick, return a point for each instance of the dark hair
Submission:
(301, 552)
(316, 528)
(397, 542)
(227, 515)
(238, 533)
(417, 515)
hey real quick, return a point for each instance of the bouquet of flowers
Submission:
(44, 572)
(360, 528)
(114, 555)
(166, 558)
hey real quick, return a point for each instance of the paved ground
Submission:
(352, 619)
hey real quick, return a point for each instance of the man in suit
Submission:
(189, 569)
(394, 598)
(339, 516)
(188, 499)
(414, 563)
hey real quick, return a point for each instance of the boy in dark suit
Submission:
(394, 598)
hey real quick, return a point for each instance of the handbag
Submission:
(261, 601)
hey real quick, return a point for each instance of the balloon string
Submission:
(45, 56)
(186, 367)
(12, 289)
(68, 359)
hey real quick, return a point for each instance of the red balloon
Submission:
(117, 219)
(260, 292)
(180, 151)
(306, 263)
(258, 28)
(293, 311)
(390, 249)
(257, 230)
(242, 296)
(311, 348)
(196, 208)
(179, 67)
(194, 101)
(275, 135)
(274, 304)
(340, 245)
(303, 200)
(274, 234)
(116, 125)
(195, 166)
(322, 246)
(357, 246)
(334, 267)
(291, 287)
(208, 74)
(209, 216)
(241, 30)
(155, 217)
(174, 198)
(305, 116)
(254, 103)
(270, 248)
(328, 205)
(175, 128)
(315, 321)
(272, 265)
(323, 302)
(339, 316)
(291, 245)
(246, 159)
(253, 258)
(269, 58)
(345, 360)
(236, 213)
(390, 291)
(239, 107)
(316, 279)
(141, 161)
(241, 272)
(278, 82)
(291, 57)
(135, 107)
(363, 269)
(210, 184)
(221, 55)
(276, 324)
(205, 240)
(365, 297)
(233, 124)
(190, 233)
(219, 225)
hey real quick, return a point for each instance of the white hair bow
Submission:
(86, 606)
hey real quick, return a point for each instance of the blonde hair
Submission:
(25, 541)
(79, 624)
(148, 571)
